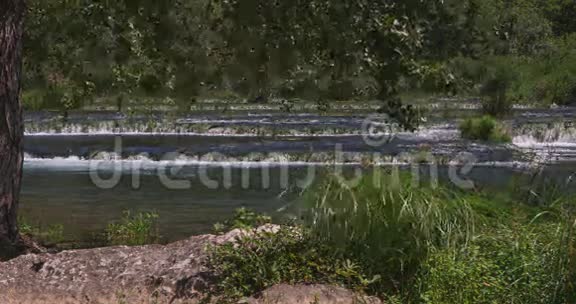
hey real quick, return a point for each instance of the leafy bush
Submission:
(547, 78)
(134, 230)
(33, 100)
(485, 128)
(505, 80)
(243, 219)
(495, 89)
(494, 79)
(289, 256)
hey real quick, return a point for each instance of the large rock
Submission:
(174, 273)
(154, 273)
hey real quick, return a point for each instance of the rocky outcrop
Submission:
(310, 294)
(109, 275)
(174, 273)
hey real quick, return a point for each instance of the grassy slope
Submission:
(414, 244)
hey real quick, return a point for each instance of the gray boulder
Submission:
(174, 273)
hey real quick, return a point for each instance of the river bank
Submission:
(415, 243)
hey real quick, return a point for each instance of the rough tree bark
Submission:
(11, 125)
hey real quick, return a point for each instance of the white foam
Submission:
(532, 143)
(548, 143)
(144, 162)
(147, 163)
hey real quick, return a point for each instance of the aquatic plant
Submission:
(485, 128)
(134, 229)
(243, 219)
(49, 236)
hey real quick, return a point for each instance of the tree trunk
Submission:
(11, 125)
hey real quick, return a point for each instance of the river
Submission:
(195, 169)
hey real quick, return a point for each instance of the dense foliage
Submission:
(172, 52)
(181, 48)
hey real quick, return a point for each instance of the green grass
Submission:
(413, 244)
(289, 256)
(485, 128)
(389, 223)
(549, 78)
(243, 219)
(134, 229)
(49, 236)
(521, 260)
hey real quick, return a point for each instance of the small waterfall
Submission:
(546, 135)
(106, 127)
(548, 143)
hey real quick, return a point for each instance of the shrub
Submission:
(243, 219)
(544, 83)
(539, 78)
(289, 256)
(564, 90)
(485, 128)
(495, 89)
(340, 90)
(33, 100)
(134, 230)
(503, 81)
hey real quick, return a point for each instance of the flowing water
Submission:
(195, 169)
